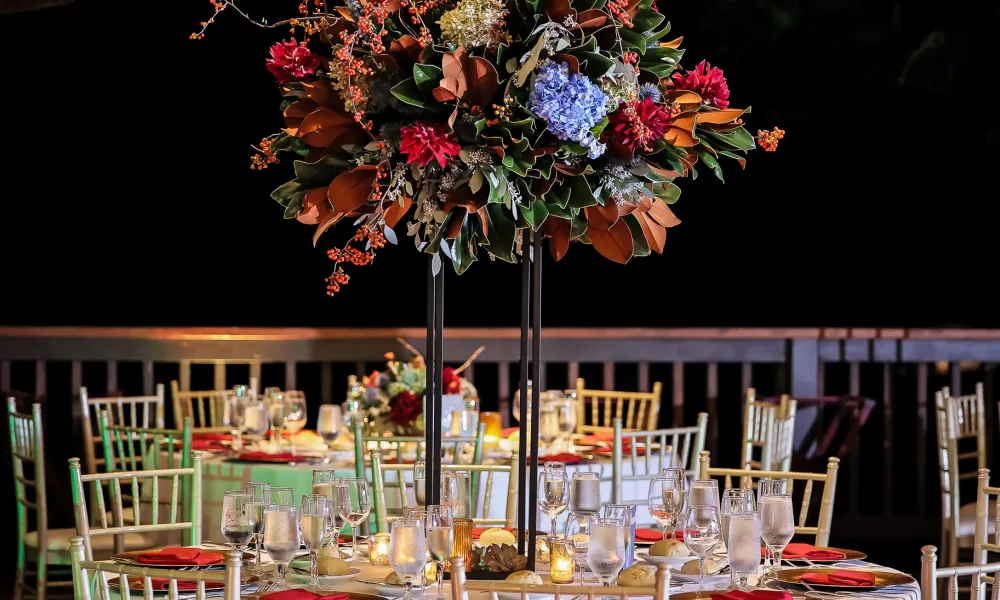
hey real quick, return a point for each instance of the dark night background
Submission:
(128, 198)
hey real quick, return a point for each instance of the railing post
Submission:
(805, 368)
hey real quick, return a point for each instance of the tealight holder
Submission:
(562, 567)
(378, 549)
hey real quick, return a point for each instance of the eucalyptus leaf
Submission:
(436, 265)
(390, 235)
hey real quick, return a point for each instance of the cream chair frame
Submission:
(91, 408)
(643, 418)
(930, 574)
(195, 405)
(769, 426)
(983, 546)
(690, 440)
(748, 477)
(89, 575)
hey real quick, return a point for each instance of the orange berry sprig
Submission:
(619, 10)
(352, 255)
(768, 140)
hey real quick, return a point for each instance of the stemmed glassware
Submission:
(704, 492)
(419, 479)
(439, 523)
(701, 535)
(354, 506)
(566, 411)
(237, 519)
(324, 484)
(328, 425)
(282, 496)
(295, 416)
(260, 497)
(777, 524)
(606, 548)
(768, 487)
(454, 491)
(276, 413)
(408, 552)
(666, 499)
(281, 536)
(314, 524)
(578, 532)
(553, 499)
(736, 500)
(255, 421)
(234, 412)
(744, 545)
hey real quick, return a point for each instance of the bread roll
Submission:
(497, 536)
(670, 549)
(330, 563)
(524, 577)
(691, 567)
(638, 576)
(393, 579)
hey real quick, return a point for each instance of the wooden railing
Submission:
(889, 474)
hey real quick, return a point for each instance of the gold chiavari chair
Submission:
(89, 575)
(640, 411)
(930, 574)
(378, 486)
(136, 411)
(115, 528)
(987, 498)
(646, 462)
(206, 409)
(747, 478)
(399, 444)
(769, 426)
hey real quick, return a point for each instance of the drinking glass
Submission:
(768, 487)
(455, 492)
(439, 522)
(237, 519)
(281, 536)
(314, 524)
(419, 477)
(701, 535)
(585, 493)
(260, 497)
(777, 525)
(666, 499)
(548, 425)
(734, 500)
(606, 548)
(255, 421)
(566, 412)
(282, 496)
(234, 411)
(354, 506)
(324, 484)
(578, 532)
(295, 414)
(704, 492)
(408, 552)
(744, 545)
(276, 413)
(328, 425)
(553, 498)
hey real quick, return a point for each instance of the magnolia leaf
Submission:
(640, 247)
(662, 214)
(501, 231)
(325, 128)
(314, 207)
(426, 76)
(557, 230)
(708, 159)
(329, 221)
(319, 173)
(667, 191)
(655, 234)
(582, 195)
(408, 93)
(350, 190)
(614, 244)
(396, 212)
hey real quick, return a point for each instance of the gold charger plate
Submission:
(882, 578)
(848, 555)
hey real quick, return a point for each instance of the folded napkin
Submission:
(752, 595)
(180, 556)
(209, 436)
(303, 594)
(604, 436)
(393, 461)
(648, 535)
(844, 578)
(587, 440)
(563, 457)
(506, 433)
(809, 552)
(207, 445)
(162, 584)
(264, 456)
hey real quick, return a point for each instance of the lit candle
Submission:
(491, 436)
(430, 571)
(378, 549)
(561, 566)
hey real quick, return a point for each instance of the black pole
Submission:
(523, 417)
(432, 421)
(536, 406)
(438, 380)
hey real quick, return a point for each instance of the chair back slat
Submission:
(142, 411)
(638, 410)
(770, 427)
(28, 450)
(691, 440)
(205, 408)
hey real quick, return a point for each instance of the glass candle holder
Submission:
(430, 571)
(541, 549)
(492, 433)
(378, 549)
(562, 568)
(463, 540)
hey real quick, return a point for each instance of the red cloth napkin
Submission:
(180, 556)
(265, 457)
(563, 457)
(845, 578)
(212, 437)
(303, 594)
(648, 535)
(753, 595)
(808, 552)
(605, 436)
(161, 584)
(207, 445)
(626, 449)
(506, 433)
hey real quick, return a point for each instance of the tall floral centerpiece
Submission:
(460, 123)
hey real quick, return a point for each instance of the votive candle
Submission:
(378, 549)
(562, 568)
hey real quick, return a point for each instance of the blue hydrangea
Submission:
(570, 103)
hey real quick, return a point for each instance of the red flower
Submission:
(635, 125)
(291, 61)
(708, 82)
(451, 381)
(405, 408)
(424, 143)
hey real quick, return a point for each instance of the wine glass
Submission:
(744, 545)
(566, 411)
(276, 414)
(554, 497)
(328, 425)
(408, 552)
(578, 532)
(454, 491)
(701, 535)
(768, 487)
(439, 523)
(260, 497)
(281, 536)
(295, 415)
(419, 479)
(606, 548)
(234, 412)
(282, 496)
(666, 499)
(255, 421)
(324, 484)
(548, 425)
(354, 506)
(704, 492)
(585, 493)
(314, 523)
(237, 519)
(777, 524)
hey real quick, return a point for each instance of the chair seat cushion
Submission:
(102, 545)
(967, 519)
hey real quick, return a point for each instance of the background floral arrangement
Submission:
(465, 122)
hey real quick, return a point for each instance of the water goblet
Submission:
(554, 494)
(314, 525)
(438, 522)
(281, 536)
(777, 525)
(701, 535)
(408, 552)
(606, 548)
(237, 519)
(666, 499)
(328, 425)
(354, 506)
(744, 545)
(260, 497)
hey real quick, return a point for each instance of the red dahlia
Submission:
(424, 143)
(635, 125)
(292, 61)
(405, 408)
(708, 82)
(451, 381)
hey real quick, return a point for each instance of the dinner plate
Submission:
(882, 578)
(389, 590)
(299, 570)
(848, 555)
(674, 561)
(676, 575)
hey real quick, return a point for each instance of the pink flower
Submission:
(708, 82)
(424, 143)
(291, 61)
(634, 126)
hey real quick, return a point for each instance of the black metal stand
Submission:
(531, 311)
(434, 366)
